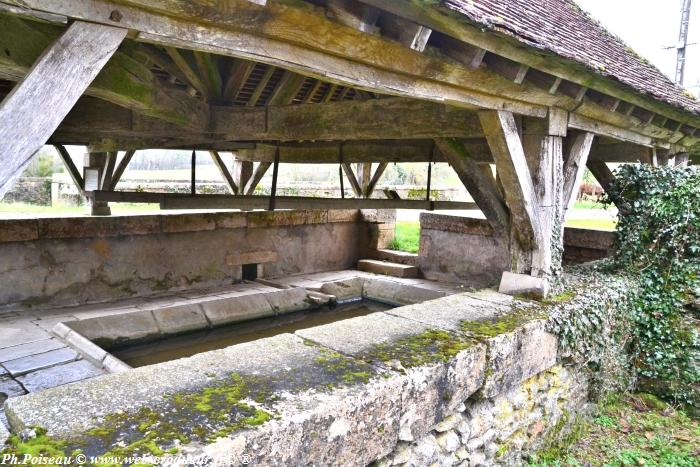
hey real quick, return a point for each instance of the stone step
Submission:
(386, 268)
(400, 257)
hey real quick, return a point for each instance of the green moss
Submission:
(427, 347)
(41, 445)
(348, 371)
(503, 324)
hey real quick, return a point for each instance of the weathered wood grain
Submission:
(512, 166)
(35, 107)
(574, 167)
(480, 186)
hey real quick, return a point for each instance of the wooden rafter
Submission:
(119, 171)
(233, 187)
(55, 82)
(70, 167)
(259, 173)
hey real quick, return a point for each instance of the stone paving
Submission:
(32, 359)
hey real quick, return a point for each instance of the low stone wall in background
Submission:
(456, 249)
(30, 190)
(73, 260)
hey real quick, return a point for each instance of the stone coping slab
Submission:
(342, 393)
(23, 230)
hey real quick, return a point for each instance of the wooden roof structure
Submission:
(535, 88)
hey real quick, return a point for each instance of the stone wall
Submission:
(32, 190)
(455, 249)
(64, 261)
(505, 429)
(458, 249)
(471, 379)
(583, 245)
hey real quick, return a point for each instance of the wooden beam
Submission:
(119, 171)
(481, 187)
(188, 71)
(574, 168)
(261, 86)
(462, 28)
(350, 174)
(512, 166)
(259, 173)
(209, 70)
(224, 172)
(326, 50)
(70, 166)
(35, 107)
(180, 201)
(378, 172)
(391, 118)
(238, 75)
(605, 178)
(124, 80)
(322, 49)
(108, 170)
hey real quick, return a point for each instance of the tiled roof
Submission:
(561, 27)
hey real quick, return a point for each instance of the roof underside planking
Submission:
(382, 79)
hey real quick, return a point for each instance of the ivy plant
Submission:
(658, 241)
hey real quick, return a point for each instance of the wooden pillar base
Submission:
(100, 208)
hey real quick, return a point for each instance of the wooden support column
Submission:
(378, 172)
(96, 166)
(119, 171)
(37, 105)
(230, 182)
(531, 170)
(242, 171)
(364, 175)
(605, 178)
(259, 173)
(356, 188)
(574, 167)
(70, 167)
(481, 187)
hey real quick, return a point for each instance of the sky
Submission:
(649, 26)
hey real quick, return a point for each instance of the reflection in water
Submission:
(192, 343)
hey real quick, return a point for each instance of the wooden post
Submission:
(193, 173)
(273, 190)
(37, 105)
(531, 169)
(95, 166)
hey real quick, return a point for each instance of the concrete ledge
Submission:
(387, 269)
(455, 224)
(21, 230)
(113, 329)
(587, 238)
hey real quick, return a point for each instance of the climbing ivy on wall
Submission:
(658, 241)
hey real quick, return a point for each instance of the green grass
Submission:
(407, 234)
(593, 224)
(587, 204)
(406, 237)
(64, 209)
(631, 431)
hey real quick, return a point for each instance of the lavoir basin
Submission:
(148, 337)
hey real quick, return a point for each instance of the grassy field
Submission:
(25, 209)
(636, 430)
(406, 237)
(407, 234)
